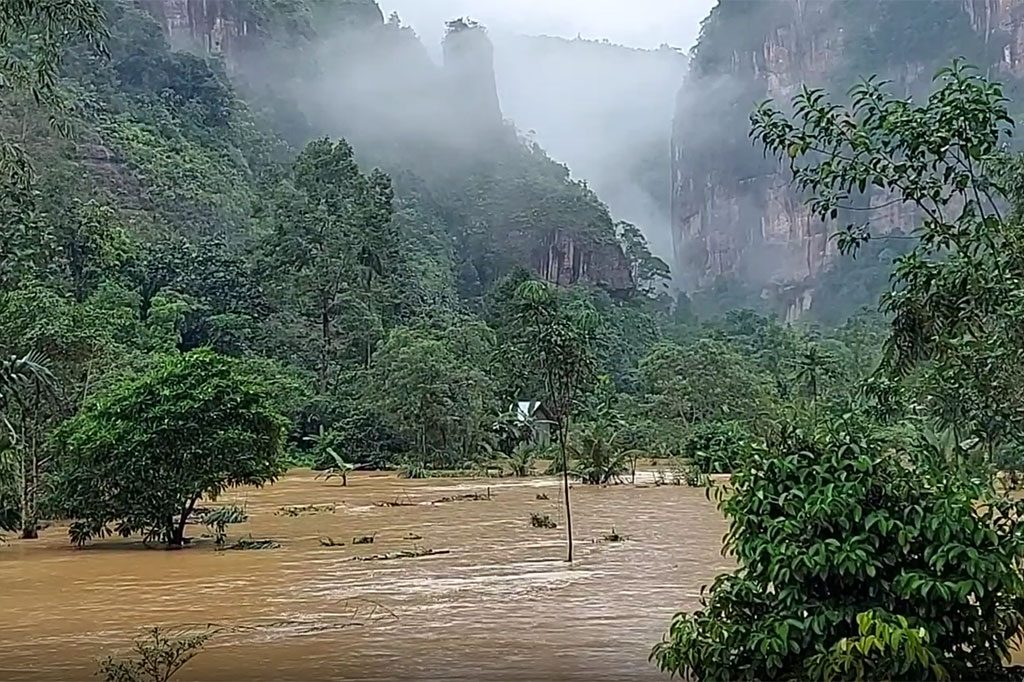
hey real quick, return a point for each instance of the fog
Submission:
(637, 23)
(594, 82)
(604, 110)
(593, 102)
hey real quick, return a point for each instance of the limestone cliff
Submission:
(734, 213)
(437, 129)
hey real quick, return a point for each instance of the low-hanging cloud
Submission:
(638, 23)
(605, 112)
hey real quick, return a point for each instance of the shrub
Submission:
(598, 458)
(156, 658)
(542, 521)
(716, 447)
(362, 439)
(826, 527)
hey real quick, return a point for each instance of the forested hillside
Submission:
(161, 201)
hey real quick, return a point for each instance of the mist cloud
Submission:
(638, 23)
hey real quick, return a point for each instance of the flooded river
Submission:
(502, 605)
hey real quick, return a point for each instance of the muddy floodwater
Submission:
(502, 605)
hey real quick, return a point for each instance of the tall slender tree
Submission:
(559, 340)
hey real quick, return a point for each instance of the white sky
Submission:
(639, 23)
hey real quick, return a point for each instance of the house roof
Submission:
(525, 409)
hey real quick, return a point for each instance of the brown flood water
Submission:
(501, 606)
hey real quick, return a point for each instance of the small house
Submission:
(533, 412)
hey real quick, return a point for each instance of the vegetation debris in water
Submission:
(328, 541)
(402, 554)
(364, 539)
(250, 544)
(542, 496)
(467, 497)
(304, 509)
(613, 537)
(542, 521)
(396, 503)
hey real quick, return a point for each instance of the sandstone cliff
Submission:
(734, 213)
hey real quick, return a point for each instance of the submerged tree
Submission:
(559, 340)
(143, 453)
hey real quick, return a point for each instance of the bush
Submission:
(716, 447)
(362, 439)
(828, 527)
(155, 658)
(598, 459)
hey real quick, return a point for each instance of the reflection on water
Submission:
(501, 606)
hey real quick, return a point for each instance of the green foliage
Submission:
(831, 525)
(364, 439)
(338, 467)
(885, 647)
(705, 381)
(33, 38)
(955, 296)
(430, 384)
(217, 520)
(597, 456)
(331, 238)
(155, 658)
(147, 449)
(716, 447)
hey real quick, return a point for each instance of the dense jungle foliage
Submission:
(878, 541)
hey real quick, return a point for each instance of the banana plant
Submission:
(340, 468)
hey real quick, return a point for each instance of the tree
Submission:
(836, 529)
(24, 381)
(648, 271)
(704, 381)
(559, 342)
(33, 37)
(431, 384)
(955, 299)
(143, 453)
(331, 232)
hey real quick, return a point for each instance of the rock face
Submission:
(565, 263)
(372, 82)
(469, 71)
(236, 29)
(734, 213)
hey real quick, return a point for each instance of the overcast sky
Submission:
(640, 23)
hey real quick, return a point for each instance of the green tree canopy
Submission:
(147, 449)
(704, 381)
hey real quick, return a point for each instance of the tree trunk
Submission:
(29, 522)
(325, 349)
(178, 532)
(562, 435)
